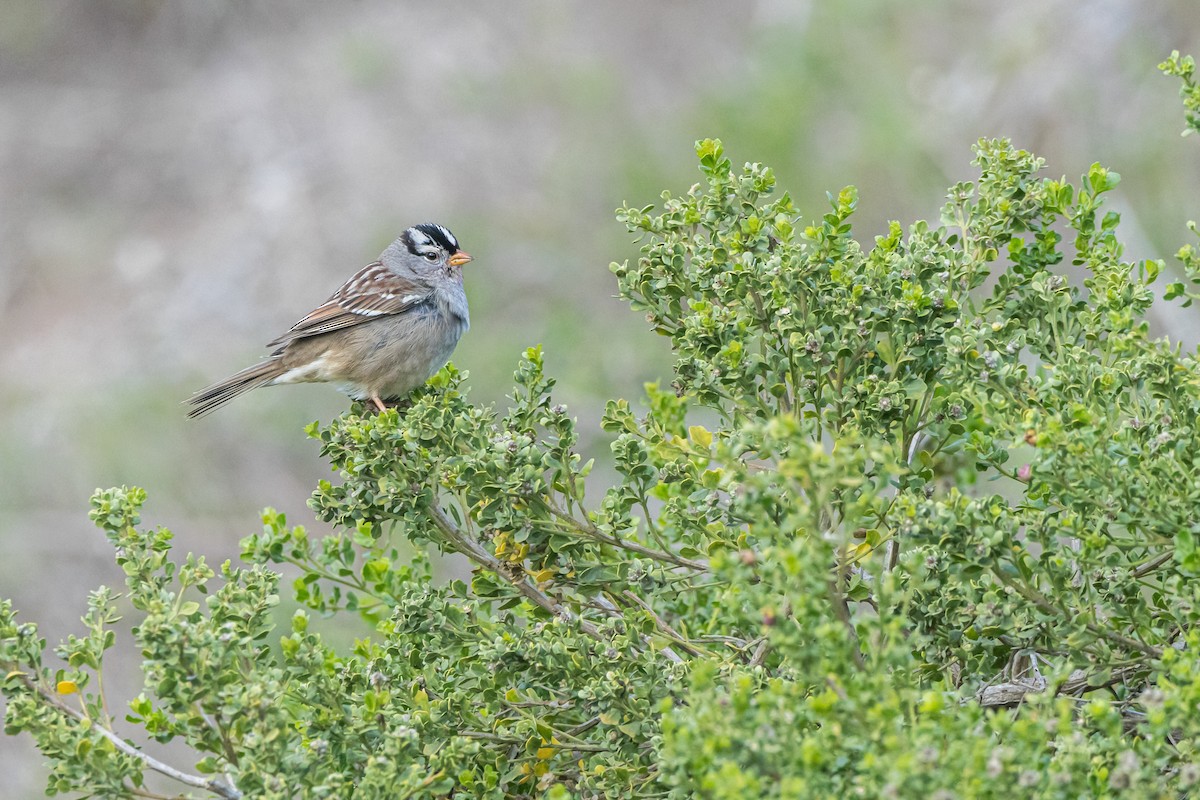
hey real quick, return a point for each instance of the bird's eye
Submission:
(431, 256)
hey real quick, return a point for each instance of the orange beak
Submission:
(459, 258)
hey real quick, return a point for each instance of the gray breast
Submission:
(451, 302)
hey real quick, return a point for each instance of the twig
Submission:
(472, 550)
(586, 726)
(661, 623)
(219, 729)
(588, 529)
(730, 641)
(1035, 597)
(425, 784)
(499, 739)
(760, 653)
(832, 682)
(217, 786)
(843, 613)
(1153, 564)
(913, 446)
(1012, 693)
(609, 608)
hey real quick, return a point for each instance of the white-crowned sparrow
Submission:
(385, 332)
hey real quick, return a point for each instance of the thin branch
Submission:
(651, 527)
(760, 653)
(1033, 596)
(586, 726)
(610, 608)
(661, 623)
(1011, 693)
(219, 729)
(728, 641)
(832, 682)
(842, 610)
(425, 784)
(217, 786)
(499, 739)
(588, 529)
(1153, 564)
(472, 550)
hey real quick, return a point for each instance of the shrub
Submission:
(911, 520)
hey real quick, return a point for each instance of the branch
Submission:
(609, 608)
(842, 611)
(499, 739)
(1153, 564)
(661, 624)
(472, 550)
(589, 529)
(760, 653)
(1013, 693)
(221, 788)
(1039, 600)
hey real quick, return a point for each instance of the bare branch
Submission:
(1153, 564)
(218, 786)
(1012, 693)
(760, 653)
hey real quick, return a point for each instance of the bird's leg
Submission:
(379, 404)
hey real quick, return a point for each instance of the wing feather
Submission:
(374, 291)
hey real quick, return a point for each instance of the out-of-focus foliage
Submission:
(913, 519)
(1184, 67)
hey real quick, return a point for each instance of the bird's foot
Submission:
(399, 403)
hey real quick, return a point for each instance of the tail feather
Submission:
(212, 397)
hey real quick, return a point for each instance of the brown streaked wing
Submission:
(374, 291)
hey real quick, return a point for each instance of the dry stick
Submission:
(214, 785)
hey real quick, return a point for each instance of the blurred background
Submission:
(179, 182)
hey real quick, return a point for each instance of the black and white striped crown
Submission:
(421, 238)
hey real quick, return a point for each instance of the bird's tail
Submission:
(212, 397)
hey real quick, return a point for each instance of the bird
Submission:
(386, 331)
